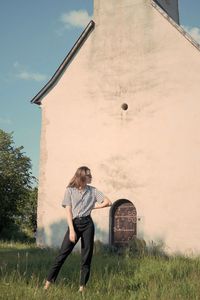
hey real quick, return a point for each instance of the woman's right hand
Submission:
(72, 235)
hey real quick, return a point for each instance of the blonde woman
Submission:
(79, 200)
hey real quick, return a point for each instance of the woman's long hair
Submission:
(79, 179)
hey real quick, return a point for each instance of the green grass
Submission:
(23, 268)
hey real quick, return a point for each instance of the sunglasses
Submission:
(88, 175)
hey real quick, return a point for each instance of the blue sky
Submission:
(35, 38)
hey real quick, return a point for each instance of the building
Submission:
(125, 103)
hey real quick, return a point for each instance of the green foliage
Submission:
(15, 182)
(103, 249)
(27, 219)
(136, 248)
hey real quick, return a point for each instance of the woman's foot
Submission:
(81, 289)
(47, 284)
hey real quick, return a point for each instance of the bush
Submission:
(156, 249)
(13, 232)
(136, 247)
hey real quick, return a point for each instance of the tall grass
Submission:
(23, 268)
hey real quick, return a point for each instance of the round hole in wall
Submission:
(124, 106)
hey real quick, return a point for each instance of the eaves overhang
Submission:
(67, 60)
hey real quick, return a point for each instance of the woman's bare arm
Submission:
(72, 233)
(106, 202)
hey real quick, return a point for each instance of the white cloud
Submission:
(75, 18)
(6, 121)
(25, 75)
(194, 32)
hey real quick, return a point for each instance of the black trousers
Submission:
(84, 228)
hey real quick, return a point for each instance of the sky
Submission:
(35, 38)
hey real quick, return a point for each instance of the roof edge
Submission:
(67, 60)
(177, 26)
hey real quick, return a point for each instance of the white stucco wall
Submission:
(149, 154)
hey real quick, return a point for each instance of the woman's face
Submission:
(88, 177)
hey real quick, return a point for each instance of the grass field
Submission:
(24, 268)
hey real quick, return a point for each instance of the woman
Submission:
(79, 200)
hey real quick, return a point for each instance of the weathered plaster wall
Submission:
(149, 154)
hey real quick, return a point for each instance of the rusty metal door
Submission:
(124, 223)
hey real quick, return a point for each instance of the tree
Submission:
(27, 218)
(15, 179)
